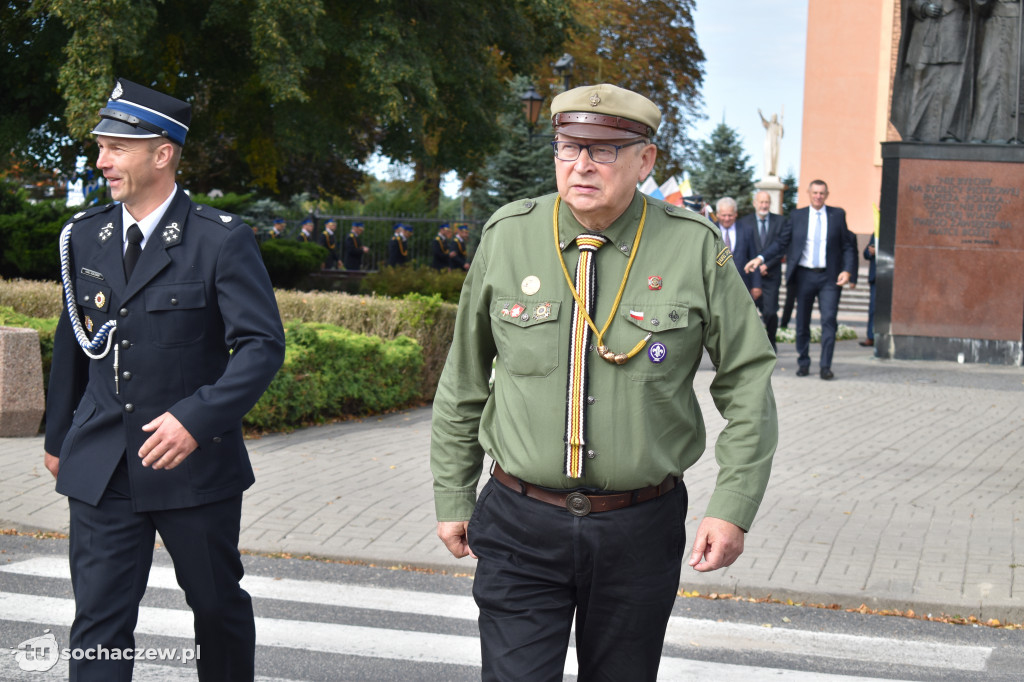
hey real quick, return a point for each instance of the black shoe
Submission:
(802, 372)
(869, 342)
(826, 373)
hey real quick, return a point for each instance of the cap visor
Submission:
(589, 131)
(112, 128)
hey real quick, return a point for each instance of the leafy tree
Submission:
(288, 95)
(789, 195)
(649, 46)
(524, 165)
(722, 169)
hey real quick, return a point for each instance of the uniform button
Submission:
(216, 439)
(126, 344)
(528, 204)
(591, 454)
(174, 301)
(655, 322)
(624, 248)
(126, 375)
(123, 312)
(129, 407)
(591, 400)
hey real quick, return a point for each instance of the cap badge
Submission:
(106, 231)
(116, 94)
(657, 352)
(654, 282)
(595, 99)
(530, 285)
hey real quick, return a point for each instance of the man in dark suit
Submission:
(144, 421)
(766, 227)
(740, 240)
(821, 253)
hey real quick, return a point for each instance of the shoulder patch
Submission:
(723, 257)
(516, 208)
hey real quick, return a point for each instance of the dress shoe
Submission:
(826, 373)
(868, 342)
(802, 372)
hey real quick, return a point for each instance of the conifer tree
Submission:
(723, 170)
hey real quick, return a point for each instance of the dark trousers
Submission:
(538, 564)
(810, 285)
(111, 553)
(769, 306)
(787, 307)
(871, 314)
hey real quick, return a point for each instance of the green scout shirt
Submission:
(644, 421)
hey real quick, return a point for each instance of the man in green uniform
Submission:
(592, 419)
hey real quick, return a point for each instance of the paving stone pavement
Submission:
(900, 484)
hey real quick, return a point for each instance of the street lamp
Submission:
(532, 102)
(563, 68)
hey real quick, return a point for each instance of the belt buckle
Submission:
(578, 504)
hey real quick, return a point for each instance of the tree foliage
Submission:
(649, 46)
(722, 169)
(789, 195)
(287, 95)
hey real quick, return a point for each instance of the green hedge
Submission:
(329, 371)
(46, 328)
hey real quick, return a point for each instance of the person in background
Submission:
(353, 249)
(329, 240)
(398, 247)
(766, 227)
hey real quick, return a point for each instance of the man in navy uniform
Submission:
(353, 249)
(398, 247)
(144, 429)
(277, 231)
(439, 248)
(460, 249)
(329, 241)
(306, 231)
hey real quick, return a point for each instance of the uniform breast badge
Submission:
(542, 312)
(654, 282)
(530, 285)
(657, 352)
(88, 323)
(100, 300)
(517, 310)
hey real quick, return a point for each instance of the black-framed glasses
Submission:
(599, 153)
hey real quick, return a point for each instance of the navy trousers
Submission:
(769, 305)
(618, 571)
(111, 554)
(810, 285)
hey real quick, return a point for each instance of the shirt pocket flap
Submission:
(524, 313)
(92, 295)
(176, 296)
(658, 317)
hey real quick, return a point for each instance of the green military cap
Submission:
(605, 112)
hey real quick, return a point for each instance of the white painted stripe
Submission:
(366, 642)
(686, 632)
(302, 591)
(682, 632)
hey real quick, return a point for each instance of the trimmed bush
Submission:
(32, 298)
(329, 372)
(289, 261)
(414, 279)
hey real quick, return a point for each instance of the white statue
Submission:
(773, 133)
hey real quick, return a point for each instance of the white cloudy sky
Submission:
(754, 51)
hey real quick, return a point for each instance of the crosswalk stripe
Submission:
(460, 650)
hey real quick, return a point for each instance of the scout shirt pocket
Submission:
(667, 324)
(176, 312)
(94, 300)
(526, 334)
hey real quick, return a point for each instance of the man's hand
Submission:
(52, 463)
(764, 270)
(718, 544)
(753, 264)
(844, 278)
(455, 536)
(755, 292)
(169, 445)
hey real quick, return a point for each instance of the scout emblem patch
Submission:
(516, 310)
(530, 285)
(654, 282)
(657, 352)
(723, 256)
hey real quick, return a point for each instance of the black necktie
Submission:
(763, 230)
(132, 251)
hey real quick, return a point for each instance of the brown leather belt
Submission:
(581, 504)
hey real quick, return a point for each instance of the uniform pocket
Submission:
(176, 312)
(527, 335)
(667, 324)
